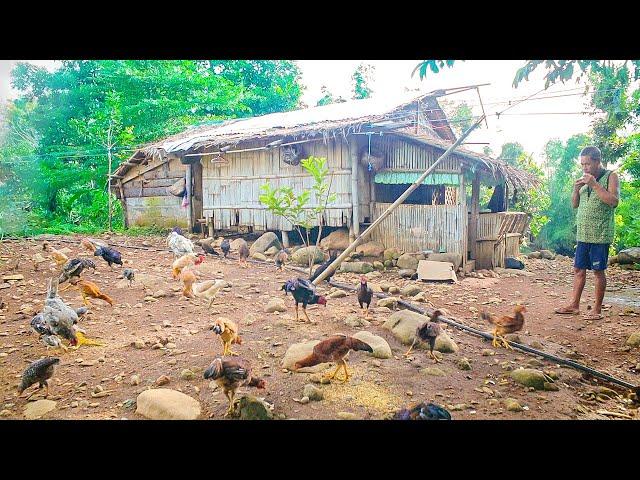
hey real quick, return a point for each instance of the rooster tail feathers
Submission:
(106, 298)
(215, 369)
(356, 345)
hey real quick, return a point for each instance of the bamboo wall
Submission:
(231, 192)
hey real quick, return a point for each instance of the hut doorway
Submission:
(196, 198)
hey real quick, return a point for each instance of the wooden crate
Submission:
(489, 254)
(512, 244)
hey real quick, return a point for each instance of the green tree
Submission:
(460, 115)
(434, 65)
(361, 79)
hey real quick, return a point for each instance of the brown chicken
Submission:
(184, 261)
(333, 349)
(505, 324)
(243, 253)
(230, 374)
(59, 257)
(228, 331)
(90, 289)
(88, 245)
(188, 279)
(428, 332)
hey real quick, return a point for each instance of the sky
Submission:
(393, 77)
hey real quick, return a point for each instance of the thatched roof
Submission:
(390, 114)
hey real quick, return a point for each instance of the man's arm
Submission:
(610, 196)
(575, 198)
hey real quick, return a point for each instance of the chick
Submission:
(39, 371)
(129, 274)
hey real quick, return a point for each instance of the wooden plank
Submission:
(475, 209)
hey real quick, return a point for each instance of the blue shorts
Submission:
(592, 256)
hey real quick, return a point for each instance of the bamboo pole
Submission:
(332, 267)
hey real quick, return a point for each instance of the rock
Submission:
(388, 263)
(304, 400)
(381, 348)
(38, 409)
(298, 351)
(634, 340)
(434, 371)
(301, 256)
(403, 325)
(529, 377)
(534, 362)
(406, 273)
(487, 352)
(134, 380)
(356, 267)
(513, 337)
(266, 241)
(393, 289)
(445, 344)
(259, 256)
(378, 265)
(162, 380)
(547, 254)
(235, 244)
(252, 408)
(337, 294)
(390, 302)
(336, 240)
(537, 345)
(629, 255)
(313, 393)
(346, 416)
(407, 261)
(513, 405)
(463, 364)
(187, 374)
(355, 321)
(375, 287)
(138, 343)
(276, 305)
(391, 254)
(511, 262)
(271, 251)
(371, 249)
(420, 297)
(6, 278)
(534, 255)
(454, 258)
(410, 290)
(551, 387)
(167, 404)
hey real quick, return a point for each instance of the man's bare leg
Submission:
(579, 279)
(601, 285)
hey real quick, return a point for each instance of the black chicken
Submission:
(303, 292)
(208, 248)
(39, 371)
(323, 267)
(225, 246)
(73, 268)
(365, 294)
(428, 332)
(423, 411)
(109, 255)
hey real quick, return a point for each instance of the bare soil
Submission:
(377, 386)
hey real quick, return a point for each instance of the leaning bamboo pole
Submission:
(332, 267)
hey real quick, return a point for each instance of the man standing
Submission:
(595, 195)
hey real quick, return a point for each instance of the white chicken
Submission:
(208, 289)
(179, 245)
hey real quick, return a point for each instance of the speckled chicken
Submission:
(40, 372)
(228, 331)
(179, 245)
(428, 332)
(129, 274)
(230, 374)
(423, 411)
(73, 268)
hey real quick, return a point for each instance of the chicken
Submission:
(184, 261)
(208, 248)
(52, 341)
(88, 245)
(230, 374)
(39, 371)
(323, 267)
(282, 257)
(225, 246)
(73, 268)
(188, 279)
(365, 294)
(90, 289)
(208, 289)
(59, 257)
(333, 349)
(423, 411)
(228, 331)
(179, 245)
(37, 260)
(303, 292)
(129, 274)
(505, 324)
(243, 253)
(109, 255)
(428, 332)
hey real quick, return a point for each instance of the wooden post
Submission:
(353, 155)
(475, 210)
(124, 203)
(332, 267)
(372, 197)
(285, 239)
(188, 187)
(465, 223)
(210, 225)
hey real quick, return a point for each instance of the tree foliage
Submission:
(361, 79)
(434, 65)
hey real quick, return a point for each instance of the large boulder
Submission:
(356, 267)
(389, 302)
(407, 262)
(381, 348)
(403, 325)
(259, 256)
(265, 242)
(336, 240)
(392, 253)
(252, 408)
(634, 340)
(454, 258)
(301, 256)
(529, 377)
(298, 351)
(38, 409)
(167, 404)
(371, 249)
(629, 255)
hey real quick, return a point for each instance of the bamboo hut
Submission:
(375, 149)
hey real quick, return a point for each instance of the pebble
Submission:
(134, 380)
(162, 380)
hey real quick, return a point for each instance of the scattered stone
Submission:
(346, 416)
(138, 343)
(356, 267)
(337, 294)
(513, 405)
(313, 392)
(134, 380)
(162, 380)
(406, 273)
(634, 340)
(378, 265)
(336, 240)
(389, 302)
(187, 374)
(371, 249)
(276, 305)
(355, 321)
(434, 371)
(252, 408)
(463, 364)
(445, 344)
(529, 377)
(88, 363)
(407, 261)
(410, 290)
(167, 404)
(38, 409)
(487, 352)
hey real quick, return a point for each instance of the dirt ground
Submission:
(377, 386)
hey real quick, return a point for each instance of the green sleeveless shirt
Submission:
(595, 219)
